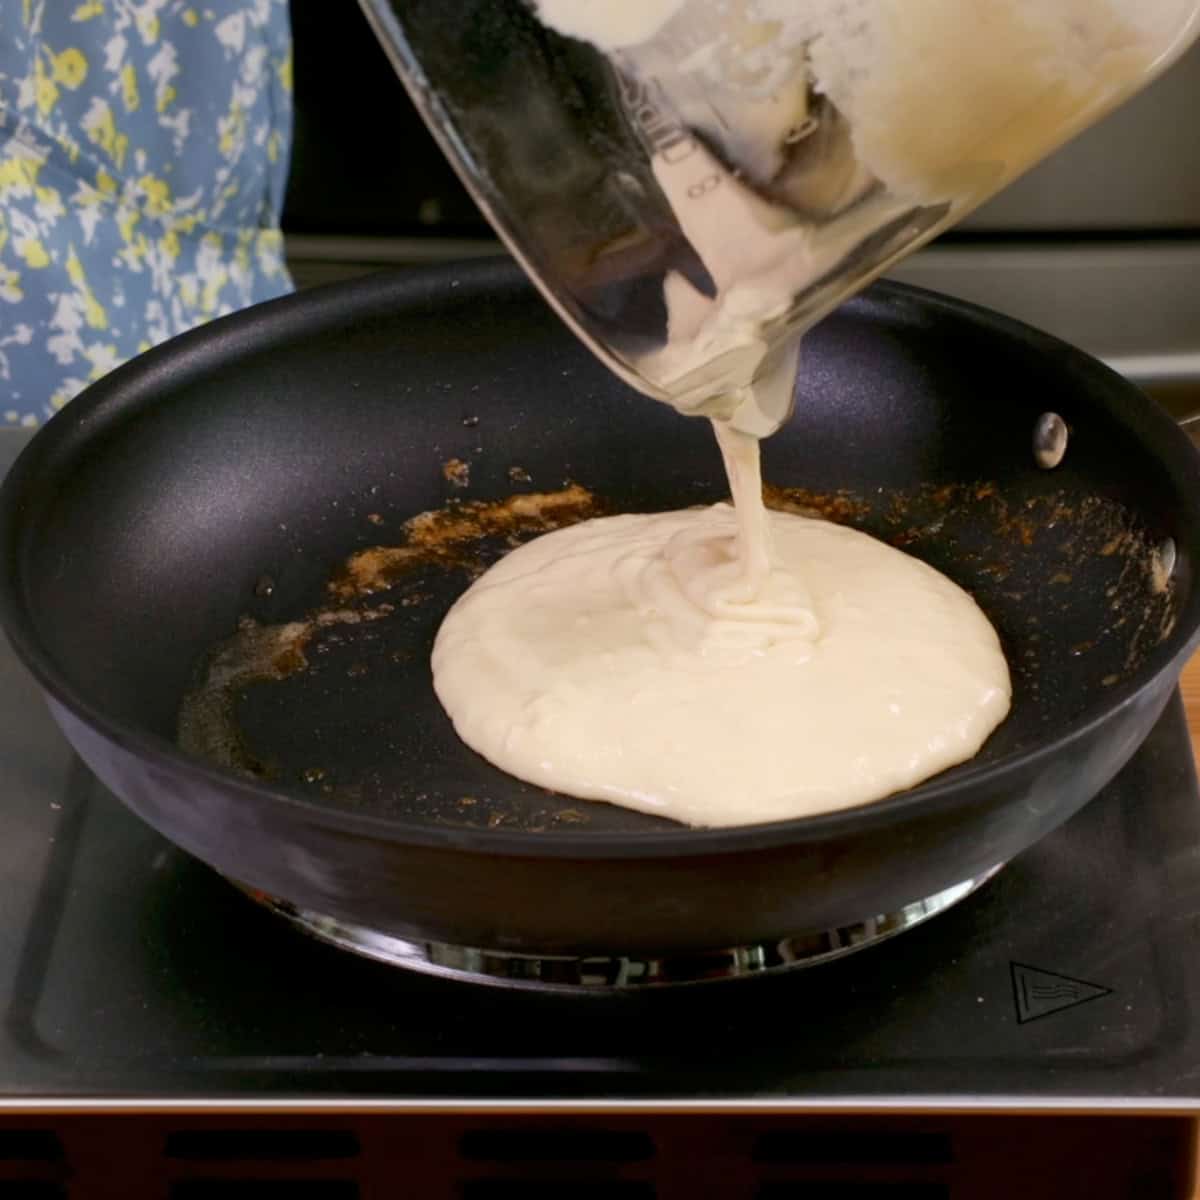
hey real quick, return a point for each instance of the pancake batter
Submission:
(719, 668)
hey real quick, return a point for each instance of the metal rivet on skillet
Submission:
(1049, 440)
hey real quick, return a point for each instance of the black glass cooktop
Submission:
(128, 969)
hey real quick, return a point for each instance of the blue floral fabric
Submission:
(143, 161)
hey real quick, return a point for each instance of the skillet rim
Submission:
(124, 392)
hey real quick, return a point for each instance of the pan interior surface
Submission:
(251, 491)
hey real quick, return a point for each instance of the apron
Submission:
(143, 162)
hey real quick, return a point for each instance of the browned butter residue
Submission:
(448, 536)
(843, 507)
(451, 538)
(457, 472)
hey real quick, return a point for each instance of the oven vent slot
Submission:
(876, 1147)
(835, 1189)
(264, 1189)
(261, 1145)
(29, 1145)
(556, 1145)
(32, 1189)
(556, 1189)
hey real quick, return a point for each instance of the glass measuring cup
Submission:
(693, 183)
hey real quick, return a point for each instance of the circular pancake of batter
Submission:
(622, 660)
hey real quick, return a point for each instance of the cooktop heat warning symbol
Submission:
(1039, 993)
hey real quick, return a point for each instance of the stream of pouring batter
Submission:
(743, 465)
